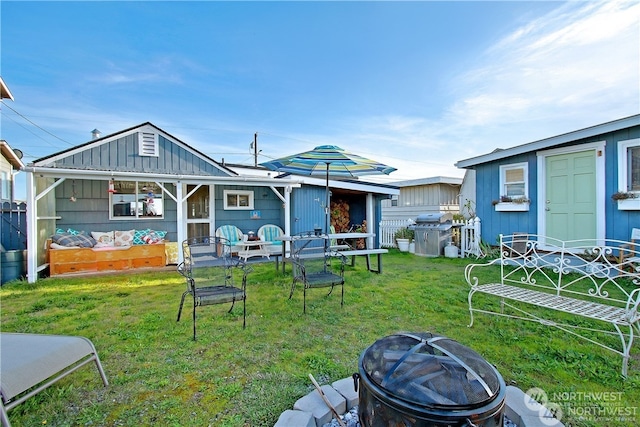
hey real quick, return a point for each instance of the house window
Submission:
(629, 174)
(136, 200)
(629, 165)
(236, 199)
(6, 185)
(513, 181)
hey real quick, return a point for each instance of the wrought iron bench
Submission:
(581, 278)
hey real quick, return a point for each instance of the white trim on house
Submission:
(599, 148)
(623, 175)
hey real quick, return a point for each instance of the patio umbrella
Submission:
(327, 160)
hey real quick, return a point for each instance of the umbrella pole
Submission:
(326, 211)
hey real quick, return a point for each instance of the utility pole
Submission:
(255, 149)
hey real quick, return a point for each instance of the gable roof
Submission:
(53, 158)
(4, 90)
(13, 156)
(428, 181)
(551, 142)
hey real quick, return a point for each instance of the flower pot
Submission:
(403, 245)
(412, 247)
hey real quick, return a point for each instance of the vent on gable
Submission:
(148, 144)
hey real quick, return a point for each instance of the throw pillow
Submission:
(103, 238)
(151, 238)
(79, 240)
(123, 238)
(138, 235)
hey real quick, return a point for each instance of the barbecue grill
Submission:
(432, 232)
(423, 380)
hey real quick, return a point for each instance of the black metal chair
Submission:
(208, 268)
(315, 265)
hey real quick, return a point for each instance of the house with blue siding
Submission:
(580, 185)
(143, 178)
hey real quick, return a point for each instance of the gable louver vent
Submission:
(148, 144)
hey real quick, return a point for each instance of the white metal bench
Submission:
(581, 278)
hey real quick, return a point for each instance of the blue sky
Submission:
(415, 85)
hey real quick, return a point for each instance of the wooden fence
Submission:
(13, 226)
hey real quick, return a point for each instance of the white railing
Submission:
(470, 238)
(388, 228)
(466, 234)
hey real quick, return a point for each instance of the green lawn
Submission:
(235, 377)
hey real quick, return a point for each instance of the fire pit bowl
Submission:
(423, 379)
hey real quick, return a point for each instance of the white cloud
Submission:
(575, 67)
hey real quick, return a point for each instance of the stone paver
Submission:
(291, 418)
(313, 403)
(345, 388)
(311, 410)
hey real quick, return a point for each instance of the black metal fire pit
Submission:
(422, 379)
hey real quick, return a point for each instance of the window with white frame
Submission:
(135, 200)
(514, 181)
(629, 165)
(5, 189)
(238, 199)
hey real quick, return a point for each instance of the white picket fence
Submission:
(470, 238)
(388, 229)
(465, 234)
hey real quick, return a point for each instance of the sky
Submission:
(415, 85)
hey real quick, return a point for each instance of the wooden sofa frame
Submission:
(83, 260)
(581, 278)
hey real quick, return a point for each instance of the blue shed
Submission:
(580, 185)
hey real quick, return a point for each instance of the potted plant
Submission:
(403, 237)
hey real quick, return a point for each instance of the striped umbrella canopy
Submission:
(328, 160)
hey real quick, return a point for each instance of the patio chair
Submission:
(630, 252)
(271, 233)
(30, 363)
(208, 268)
(315, 267)
(233, 235)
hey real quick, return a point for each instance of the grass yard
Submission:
(233, 377)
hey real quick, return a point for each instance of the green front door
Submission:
(570, 205)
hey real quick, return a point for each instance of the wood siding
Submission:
(264, 200)
(122, 155)
(416, 200)
(90, 211)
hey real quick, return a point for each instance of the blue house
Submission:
(580, 185)
(144, 178)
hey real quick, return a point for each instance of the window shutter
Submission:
(148, 144)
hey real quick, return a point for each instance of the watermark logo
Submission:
(536, 400)
(599, 407)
